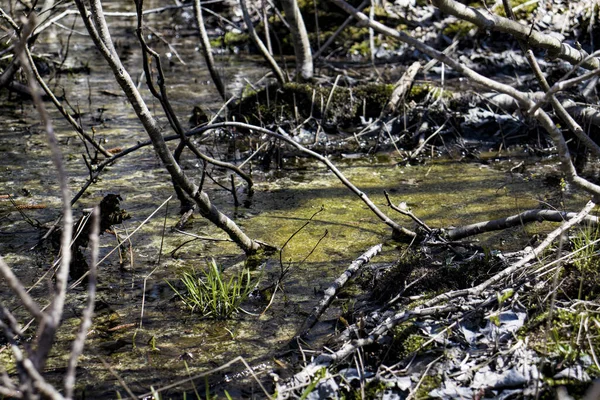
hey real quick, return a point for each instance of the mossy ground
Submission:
(296, 102)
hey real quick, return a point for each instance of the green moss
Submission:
(231, 39)
(427, 385)
(360, 48)
(458, 29)
(294, 102)
(407, 340)
(523, 11)
(355, 32)
(418, 91)
(370, 390)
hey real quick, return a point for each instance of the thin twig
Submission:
(78, 343)
(78, 281)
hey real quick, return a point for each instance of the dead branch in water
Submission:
(334, 289)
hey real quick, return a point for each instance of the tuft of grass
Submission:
(585, 246)
(211, 294)
(585, 249)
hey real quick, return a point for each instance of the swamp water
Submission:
(171, 344)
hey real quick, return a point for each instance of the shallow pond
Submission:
(168, 343)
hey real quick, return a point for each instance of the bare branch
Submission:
(261, 46)
(39, 382)
(101, 37)
(543, 118)
(51, 319)
(399, 232)
(516, 220)
(207, 50)
(335, 287)
(19, 290)
(79, 342)
(488, 21)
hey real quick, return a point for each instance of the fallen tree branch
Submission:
(402, 209)
(566, 164)
(431, 307)
(516, 220)
(402, 87)
(335, 287)
(475, 291)
(488, 21)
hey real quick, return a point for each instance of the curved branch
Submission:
(163, 98)
(399, 232)
(77, 126)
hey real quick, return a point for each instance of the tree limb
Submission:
(488, 21)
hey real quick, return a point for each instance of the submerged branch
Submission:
(435, 306)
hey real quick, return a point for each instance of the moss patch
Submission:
(458, 29)
(297, 102)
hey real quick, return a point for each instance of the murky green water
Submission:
(442, 193)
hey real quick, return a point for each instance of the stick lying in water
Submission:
(333, 290)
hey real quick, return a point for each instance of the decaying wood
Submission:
(540, 115)
(402, 87)
(489, 21)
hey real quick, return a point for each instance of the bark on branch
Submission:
(516, 220)
(542, 117)
(488, 21)
(335, 287)
(399, 232)
(96, 25)
(434, 306)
